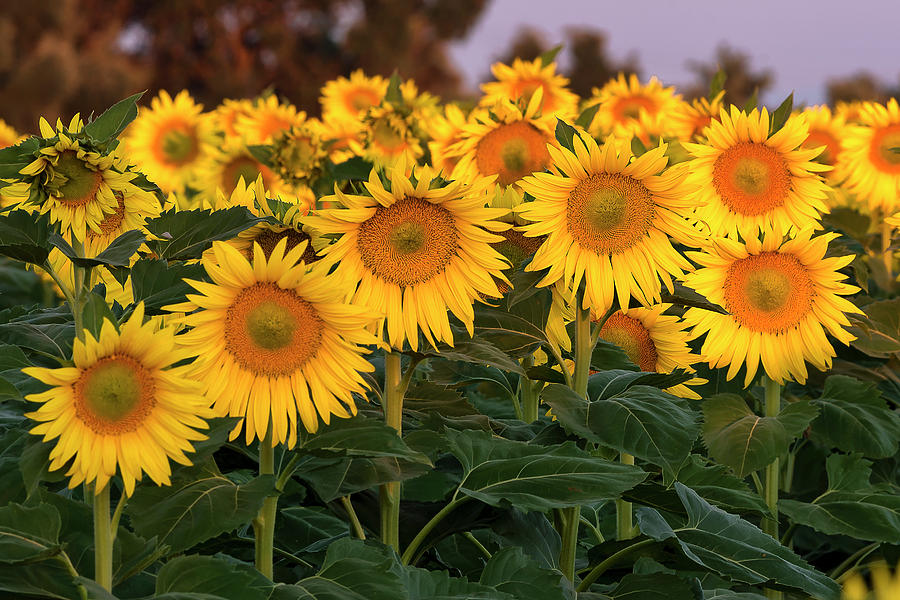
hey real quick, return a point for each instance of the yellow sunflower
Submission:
(445, 131)
(623, 99)
(224, 167)
(169, 139)
(849, 111)
(122, 406)
(522, 78)
(782, 296)
(8, 135)
(506, 141)
(654, 342)
(688, 120)
(82, 187)
(339, 135)
(387, 136)
(885, 585)
(348, 99)
(871, 156)
(274, 339)
(225, 116)
(826, 129)
(299, 153)
(414, 249)
(750, 180)
(266, 118)
(608, 217)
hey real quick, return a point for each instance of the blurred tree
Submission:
(740, 83)
(859, 86)
(58, 57)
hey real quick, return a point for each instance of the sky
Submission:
(803, 42)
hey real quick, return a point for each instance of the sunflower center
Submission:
(361, 99)
(630, 107)
(272, 331)
(512, 151)
(633, 338)
(751, 178)
(115, 395)
(408, 242)
(387, 137)
(818, 138)
(609, 212)
(75, 183)
(769, 292)
(241, 166)
(179, 145)
(885, 151)
(112, 222)
(269, 238)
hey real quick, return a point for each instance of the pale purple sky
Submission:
(803, 42)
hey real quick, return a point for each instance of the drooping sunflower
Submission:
(348, 99)
(688, 120)
(522, 78)
(750, 180)
(870, 159)
(122, 406)
(506, 141)
(621, 102)
(273, 339)
(782, 296)
(608, 219)
(655, 342)
(266, 118)
(414, 248)
(169, 140)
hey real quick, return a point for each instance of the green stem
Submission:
(429, 526)
(393, 416)
(354, 520)
(593, 529)
(571, 519)
(623, 508)
(530, 397)
(103, 554)
(770, 524)
(264, 524)
(286, 472)
(886, 255)
(853, 559)
(610, 561)
(117, 515)
(67, 563)
(474, 540)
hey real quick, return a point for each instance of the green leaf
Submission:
(732, 547)
(355, 169)
(532, 532)
(686, 297)
(796, 417)
(509, 570)
(186, 234)
(565, 135)
(28, 533)
(613, 382)
(14, 158)
(211, 575)
(550, 55)
(393, 93)
(781, 114)
(422, 584)
(333, 477)
(653, 586)
(643, 421)
(475, 351)
(95, 312)
(359, 436)
(25, 236)
(114, 120)
(345, 561)
(54, 339)
(717, 84)
(158, 283)
(607, 356)
(196, 508)
(308, 529)
(263, 153)
(497, 470)
(878, 334)
(513, 334)
(855, 418)
(586, 117)
(716, 485)
(637, 146)
(118, 254)
(752, 101)
(45, 579)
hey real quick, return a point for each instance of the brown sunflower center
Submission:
(408, 242)
(178, 144)
(751, 178)
(769, 292)
(241, 166)
(74, 183)
(630, 107)
(512, 151)
(272, 331)
(885, 152)
(359, 99)
(821, 137)
(609, 212)
(269, 238)
(516, 247)
(111, 222)
(631, 336)
(115, 395)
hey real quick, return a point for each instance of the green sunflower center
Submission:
(605, 208)
(609, 212)
(271, 326)
(407, 237)
(889, 148)
(242, 166)
(386, 136)
(179, 147)
(74, 182)
(115, 395)
(751, 176)
(514, 154)
(768, 289)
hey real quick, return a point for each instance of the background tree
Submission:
(741, 79)
(859, 86)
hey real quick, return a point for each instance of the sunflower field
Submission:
(533, 346)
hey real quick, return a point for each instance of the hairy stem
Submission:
(389, 494)
(264, 524)
(103, 543)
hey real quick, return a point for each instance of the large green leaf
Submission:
(308, 528)
(855, 418)
(511, 571)
(45, 579)
(536, 477)
(24, 236)
(211, 575)
(114, 119)
(717, 486)
(532, 532)
(345, 562)
(117, 254)
(654, 586)
(359, 436)
(184, 235)
(851, 505)
(514, 334)
(740, 439)
(54, 339)
(422, 584)
(878, 333)
(200, 505)
(643, 421)
(732, 547)
(28, 533)
(613, 382)
(158, 283)
(474, 350)
(334, 476)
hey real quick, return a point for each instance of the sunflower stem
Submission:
(414, 545)
(770, 525)
(886, 255)
(393, 416)
(264, 525)
(571, 519)
(624, 528)
(530, 397)
(354, 520)
(103, 543)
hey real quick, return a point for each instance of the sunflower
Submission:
(348, 99)
(121, 406)
(415, 248)
(621, 102)
(782, 296)
(82, 187)
(506, 141)
(885, 585)
(274, 340)
(522, 78)
(849, 111)
(299, 153)
(8, 135)
(387, 136)
(655, 342)
(871, 156)
(688, 120)
(225, 116)
(751, 180)
(224, 167)
(169, 140)
(607, 218)
(266, 118)
(826, 129)
(445, 131)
